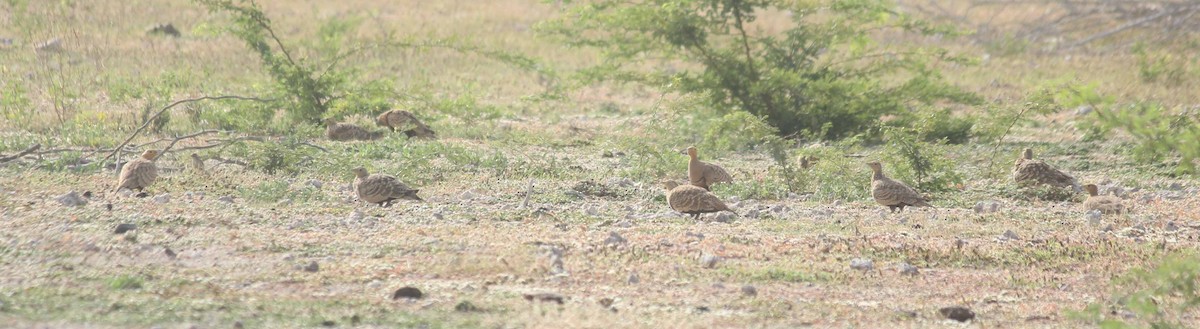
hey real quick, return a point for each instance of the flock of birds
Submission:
(693, 198)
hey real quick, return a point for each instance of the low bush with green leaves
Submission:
(1158, 297)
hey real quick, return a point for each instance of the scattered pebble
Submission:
(1083, 110)
(226, 199)
(908, 269)
(544, 297)
(614, 239)
(606, 301)
(1010, 235)
(753, 213)
(467, 195)
(410, 293)
(724, 217)
(164, 29)
(957, 313)
(170, 253)
(708, 260)
(71, 199)
(356, 215)
(749, 290)
(312, 267)
(125, 227)
(284, 203)
(1171, 227)
(316, 183)
(862, 264)
(984, 207)
(1176, 186)
(162, 198)
(1093, 217)
(633, 278)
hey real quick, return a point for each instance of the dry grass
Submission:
(474, 241)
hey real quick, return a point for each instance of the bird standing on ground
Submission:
(137, 174)
(892, 193)
(381, 189)
(692, 200)
(403, 119)
(348, 132)
(1028, 171)
(1106, 204)
(198, 164)
(703, 174)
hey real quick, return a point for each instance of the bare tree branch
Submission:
(31, 148)
(168, 107)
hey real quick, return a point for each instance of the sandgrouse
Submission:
(381, 189)
(703, 174)
(1106, 204)
(137, 174)
(198, 164)
(1028, 171)
(892, 193)
(404, 119)
(348, 132)
(692, 200)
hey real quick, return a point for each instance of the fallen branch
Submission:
(31, 148)
(1118, 29)
(168, 107)
(177, 139)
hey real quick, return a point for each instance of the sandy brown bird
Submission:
(198, 164)
(348, 132)
(400, 119)
(137, 174)
(1028, 171)
(892, 193)
(381, 189)
(704, 174)
(692, 200)
(1106, 204)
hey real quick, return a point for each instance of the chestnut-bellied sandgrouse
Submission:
(137, 174)
(1106, 204)
(407, 122)
(1028, 171)
(692, 200)
(892, 193)
(381, 189)
(348, 132)
(703, 174)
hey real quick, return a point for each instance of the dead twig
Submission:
(168, 107)
(177, 139)
(31, 149)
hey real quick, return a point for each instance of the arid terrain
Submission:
(536, 214)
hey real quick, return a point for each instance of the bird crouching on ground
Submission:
(381, 189)
(348, 132)
(137, 174)
(1029, 172)
(692, 200)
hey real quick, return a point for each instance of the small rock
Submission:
(162, 198)
(315, 183)
(623, 224)
(724, 217)
(288, 257)
(592, 211)
(708, 260)
(1171, 227)
(1176, 186)
(226, 199)
(1083, 110)
(467, 195)
(238, 325)
(71, 199)
(606, 154)
(633, 278)
(702, 309)
(862, 264)
(908, 269)
(749, 290)
(356, 215)
(284, 203)
(170, 253)
(614, 239)
(410, 293)
(312, 267)
(606, 301)
(956, 313)
(465, 306)
(544, 297)
(959, 243)
(753, 213)
(1010, 235)
(574, 194)
(126, 227)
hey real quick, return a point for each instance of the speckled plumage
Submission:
(692, 200)
(198, 164)
(703, 174)
(1106, 204)
(348, 132)
(405, 120)
(137, 174)
(381, 189)
(892, 193)
(1028, 171)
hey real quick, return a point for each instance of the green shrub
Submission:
(925, 165)
(938, 126)
(125, 282)
(1157, 133)
(823, 74)
(1160, 297)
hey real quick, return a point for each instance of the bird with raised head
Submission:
(893, 193)
(703, 174)
(1027, 172)
(1106, 204)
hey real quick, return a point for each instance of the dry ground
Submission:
(498, 204)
